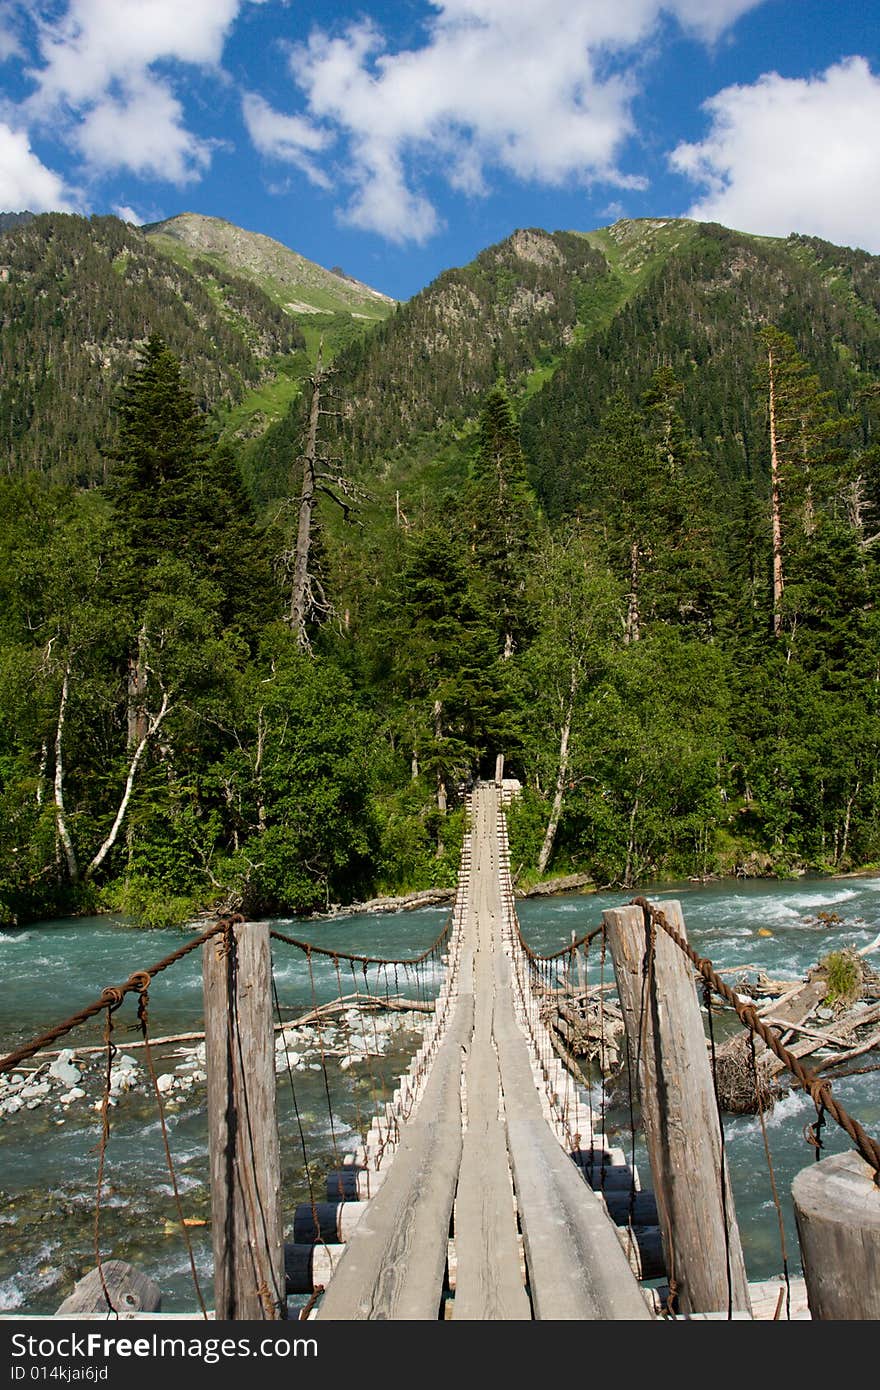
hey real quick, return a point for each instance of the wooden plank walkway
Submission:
(472, 1157)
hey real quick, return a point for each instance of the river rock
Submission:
(63, 1069)
(12, 1105)
(35, 1091)
(165, 1082)
(75, 1093)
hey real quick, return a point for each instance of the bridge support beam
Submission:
(837, 1205)
(244, 1148)
(667, 1044)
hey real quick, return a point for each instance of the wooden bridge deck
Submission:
(477, 1160)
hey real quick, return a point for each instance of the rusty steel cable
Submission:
(725, 1215)
(111, 1005)
(780, 1221)
(309, 948)
(143, 1020)
(819, 1091)
(113, 993)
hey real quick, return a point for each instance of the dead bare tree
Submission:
(321, 474)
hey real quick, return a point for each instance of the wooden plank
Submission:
(577, 1268)
(394, 1263)
(489, 1286)
(129, 1291)
(679, 1112)
(243, 1140)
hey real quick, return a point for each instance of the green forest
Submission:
(607, 506)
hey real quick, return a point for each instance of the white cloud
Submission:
(793, 155)
(290, 139)
(25, 182)
(97, 42)
(10, 44)
(97, 85)
(538, 91)
(128, 214)
(143, 132)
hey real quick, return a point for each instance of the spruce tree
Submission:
(502, 519)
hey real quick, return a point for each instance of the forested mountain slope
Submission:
(77, 297)
(565, 321)
(606, 503)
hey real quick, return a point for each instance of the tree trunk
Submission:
(137, 689)
(562, 772)
(126, 795)
(60, 816)
(438, 735)
(41, 775)
(775, 503)
(633, 627)
(258, 771)
(630, 846)
(299, 599)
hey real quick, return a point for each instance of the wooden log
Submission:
(332, 1223)
(639, 1208)
(128, 1289)
(837, 1207)
(643, 1247)
(243, 1138)
(309, 1267)
(665, 1033)
(354, 1183)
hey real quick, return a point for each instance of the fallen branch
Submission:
(369, 1002)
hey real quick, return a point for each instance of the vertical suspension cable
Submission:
(707, 995)
(296, 1111)
(759, 1100)
(143, 1016)
(113, 1002)
(320, 1021)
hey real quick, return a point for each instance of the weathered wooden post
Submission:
(837, 1206)
(665, 1033)
(244, 1147)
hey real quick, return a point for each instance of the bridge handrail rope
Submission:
(136, 982)
(819, 1090)
(113, 996)
(310, 949)
(568, 950)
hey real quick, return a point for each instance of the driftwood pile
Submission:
(586, 1028)
(813, 1018)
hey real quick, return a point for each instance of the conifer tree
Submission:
(803, 430)
(502, 519)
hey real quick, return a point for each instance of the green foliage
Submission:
(843, 971)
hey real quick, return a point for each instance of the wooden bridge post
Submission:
(665, 1033)
(243, 1138)
(837, 1206)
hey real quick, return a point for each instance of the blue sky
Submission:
(395, 138)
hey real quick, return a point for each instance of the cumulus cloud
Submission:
(97, 42)
(543, 93)
(143, 130)
(290, 139)
(792, 155)
(25, 182)
(97, 74)
(10, 45)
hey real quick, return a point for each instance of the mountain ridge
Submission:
(277, 268)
